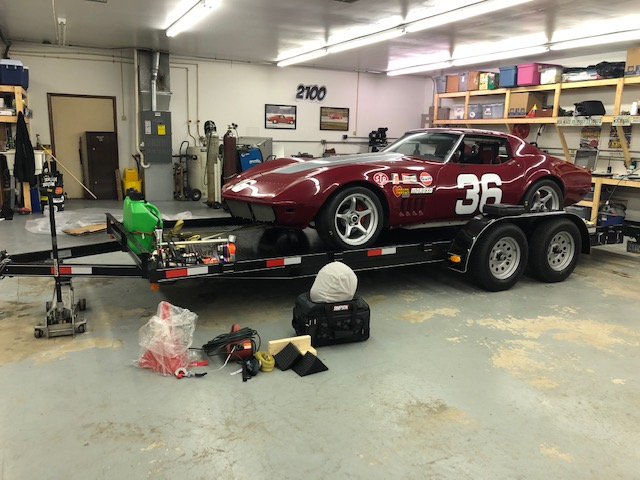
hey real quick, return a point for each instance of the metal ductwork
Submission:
(154, 80)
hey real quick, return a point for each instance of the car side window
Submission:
(483, 150)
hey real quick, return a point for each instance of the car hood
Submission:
(271, 178)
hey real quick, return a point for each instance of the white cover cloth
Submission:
(335, 282)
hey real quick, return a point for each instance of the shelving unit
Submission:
(560, 123)
(18, 94)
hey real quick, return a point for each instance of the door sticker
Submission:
(478, 192)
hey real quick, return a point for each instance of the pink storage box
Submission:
(529, 73)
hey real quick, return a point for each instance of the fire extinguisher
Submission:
(230, 154)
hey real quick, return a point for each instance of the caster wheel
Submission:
(196, 194)
(82, 304)
(81, 328)
(216, 205)
(48, 306)
(38, 333)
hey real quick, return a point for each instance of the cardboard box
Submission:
(632, 67)
(443, 114)
(453, 83)
(473, 81)
(489, 81)
(522, 102)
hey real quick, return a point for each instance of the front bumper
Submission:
(252, 211)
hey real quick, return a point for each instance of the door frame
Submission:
(72, 95)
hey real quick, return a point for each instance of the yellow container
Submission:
(130, 175)
(135, 184)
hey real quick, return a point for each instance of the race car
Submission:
(281, 119)
(428, 176)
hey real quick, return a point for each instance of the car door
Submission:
(482, 170)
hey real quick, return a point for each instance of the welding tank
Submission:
(230, 162)
(213, 165)
(197, 169)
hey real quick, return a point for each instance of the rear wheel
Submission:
(351, 218)
(555, 246)
(499, 258)
(543, 196)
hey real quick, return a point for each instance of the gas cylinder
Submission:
(230, 162)
(141, 219)
(214, 175)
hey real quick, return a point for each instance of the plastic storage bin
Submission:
(25, 78)
(509, 76)
(11, 72)
(529, 73)
(441, 84)
(474, 111)
(493, 110)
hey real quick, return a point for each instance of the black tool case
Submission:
(331, 323)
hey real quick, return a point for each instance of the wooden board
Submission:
(119, 185)
(87, 229)
(303, 342)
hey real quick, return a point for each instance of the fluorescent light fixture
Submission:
(441, 56)
(463, 13)
(368, 40)
(513, 43)
(303, 58)
(194, 15)
(599, 40)
(492, 57)
(419, 69)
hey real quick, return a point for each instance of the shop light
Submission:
(464, 13)
(303, 58)
(419, 69)
(599, 40)
(194, 15)
(368, 40)
(522, 52)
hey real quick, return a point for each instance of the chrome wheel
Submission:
(545, 199)
(561, 251)
(356, 219)
(504, 259)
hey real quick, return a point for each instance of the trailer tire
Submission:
(499, 258)
(554, 249)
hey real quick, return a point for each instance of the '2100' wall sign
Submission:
(313, 93)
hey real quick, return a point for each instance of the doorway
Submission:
(70, 116)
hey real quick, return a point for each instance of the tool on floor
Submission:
(61, 318)
(183, 372)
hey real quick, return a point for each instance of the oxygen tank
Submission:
(214, 197)
(230, 163)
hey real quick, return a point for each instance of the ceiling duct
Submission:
(154, 82)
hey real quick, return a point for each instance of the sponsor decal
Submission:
(426, 179)
(381, 179)
(401, 191)
(422, 190)
(340, 308)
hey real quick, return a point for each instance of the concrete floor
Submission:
(541, 381)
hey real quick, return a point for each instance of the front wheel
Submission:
(499, 258)
(351, 218)
(555, 246)
(543, 196)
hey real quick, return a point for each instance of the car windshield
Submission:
(427, 145)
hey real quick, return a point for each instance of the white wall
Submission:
(228, 93)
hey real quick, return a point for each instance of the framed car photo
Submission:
(332, 118)
(280, 116)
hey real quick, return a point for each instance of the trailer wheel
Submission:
(555, 246)
(351, 218)
(499, 258)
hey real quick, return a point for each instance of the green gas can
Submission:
(141, 218)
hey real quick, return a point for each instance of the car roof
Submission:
(463, 131)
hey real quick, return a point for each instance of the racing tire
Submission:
(554, 249)
(543, 196)
(499, 258)
(351, 218)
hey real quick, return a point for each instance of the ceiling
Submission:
(260, 31)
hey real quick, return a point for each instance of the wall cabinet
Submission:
(594, 87)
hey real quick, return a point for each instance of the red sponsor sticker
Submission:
(426, 179)
(399, 191)
(381, 179)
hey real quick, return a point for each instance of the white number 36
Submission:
(478, 191)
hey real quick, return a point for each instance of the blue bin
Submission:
(25, 78)
(250, 158)
(11, 72)
(509, 76)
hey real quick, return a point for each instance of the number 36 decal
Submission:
(478, 191)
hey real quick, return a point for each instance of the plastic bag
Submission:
(335, 282)
(165, 339)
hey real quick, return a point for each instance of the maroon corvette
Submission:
(428, 176)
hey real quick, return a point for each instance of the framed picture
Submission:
(332, 118)
(280, 116)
